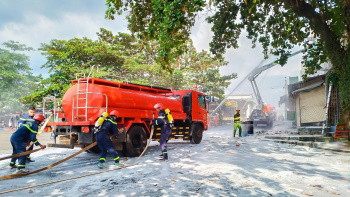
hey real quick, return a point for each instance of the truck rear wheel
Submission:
(94, 149)
(136, 141)
(270, 125)
(197, 134)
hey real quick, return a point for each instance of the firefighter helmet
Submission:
(114, 113)
(39, 117)
(159, 106)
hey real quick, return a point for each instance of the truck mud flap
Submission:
(176, 133)
(61, 146)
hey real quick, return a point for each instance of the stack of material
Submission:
(341, 132)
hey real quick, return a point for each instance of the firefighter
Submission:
(19, 141)
(165, 129)
(237, 124)
(104, 142)
(220, 118)
(24, 119)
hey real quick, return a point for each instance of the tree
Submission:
(129, 59)
(167, 21)
(15, 74)
(277, 25)
(65, 59)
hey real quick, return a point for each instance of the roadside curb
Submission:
(320, 145)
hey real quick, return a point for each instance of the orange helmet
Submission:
(39, 117)
(159, 106)
(114, 113)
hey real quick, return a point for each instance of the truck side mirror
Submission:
(186, 102)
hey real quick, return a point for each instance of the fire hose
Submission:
(20, 154)
(72, 178)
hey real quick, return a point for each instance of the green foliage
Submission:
(277, 25)
(67, 60)
(166, 21)
(16, 77)
(123, 57)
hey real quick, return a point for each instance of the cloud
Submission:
(41, 21)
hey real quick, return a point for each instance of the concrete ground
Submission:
(5, 135)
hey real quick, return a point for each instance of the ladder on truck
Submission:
(80, 99)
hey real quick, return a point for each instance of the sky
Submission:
(33, 22)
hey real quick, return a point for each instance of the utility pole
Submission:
(327, 105)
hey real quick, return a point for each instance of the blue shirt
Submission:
(27, 132)
(24, 119)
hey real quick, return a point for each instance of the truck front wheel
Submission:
(197, 134)
(136, 141)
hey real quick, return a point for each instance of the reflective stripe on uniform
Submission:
(116, 158)
(21, 166)
(30, 129)
(165, 152)
(161, 116)
(104, 159)
(156, 122)
(12, 162)
(112, 121)
(26, 119)
(35, 142)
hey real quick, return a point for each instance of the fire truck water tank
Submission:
(116, 98)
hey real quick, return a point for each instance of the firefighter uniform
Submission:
(165, 132)
(237, 124)
(109, 127)
(26, 133)
(23, 120)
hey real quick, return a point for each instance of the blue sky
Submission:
(33, 22)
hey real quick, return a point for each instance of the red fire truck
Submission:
(88, 98)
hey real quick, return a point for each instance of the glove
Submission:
(113, 137)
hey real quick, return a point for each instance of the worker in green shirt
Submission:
(237, 123)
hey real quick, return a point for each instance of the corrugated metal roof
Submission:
(309, 87)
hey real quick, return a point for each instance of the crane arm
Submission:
(251, 77)
(256, 72)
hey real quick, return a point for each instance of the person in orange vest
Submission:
(216, 120)
(209, 124)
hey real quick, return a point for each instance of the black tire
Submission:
(270, 125)
(136, 140)
(196, 134)
(94, 149)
